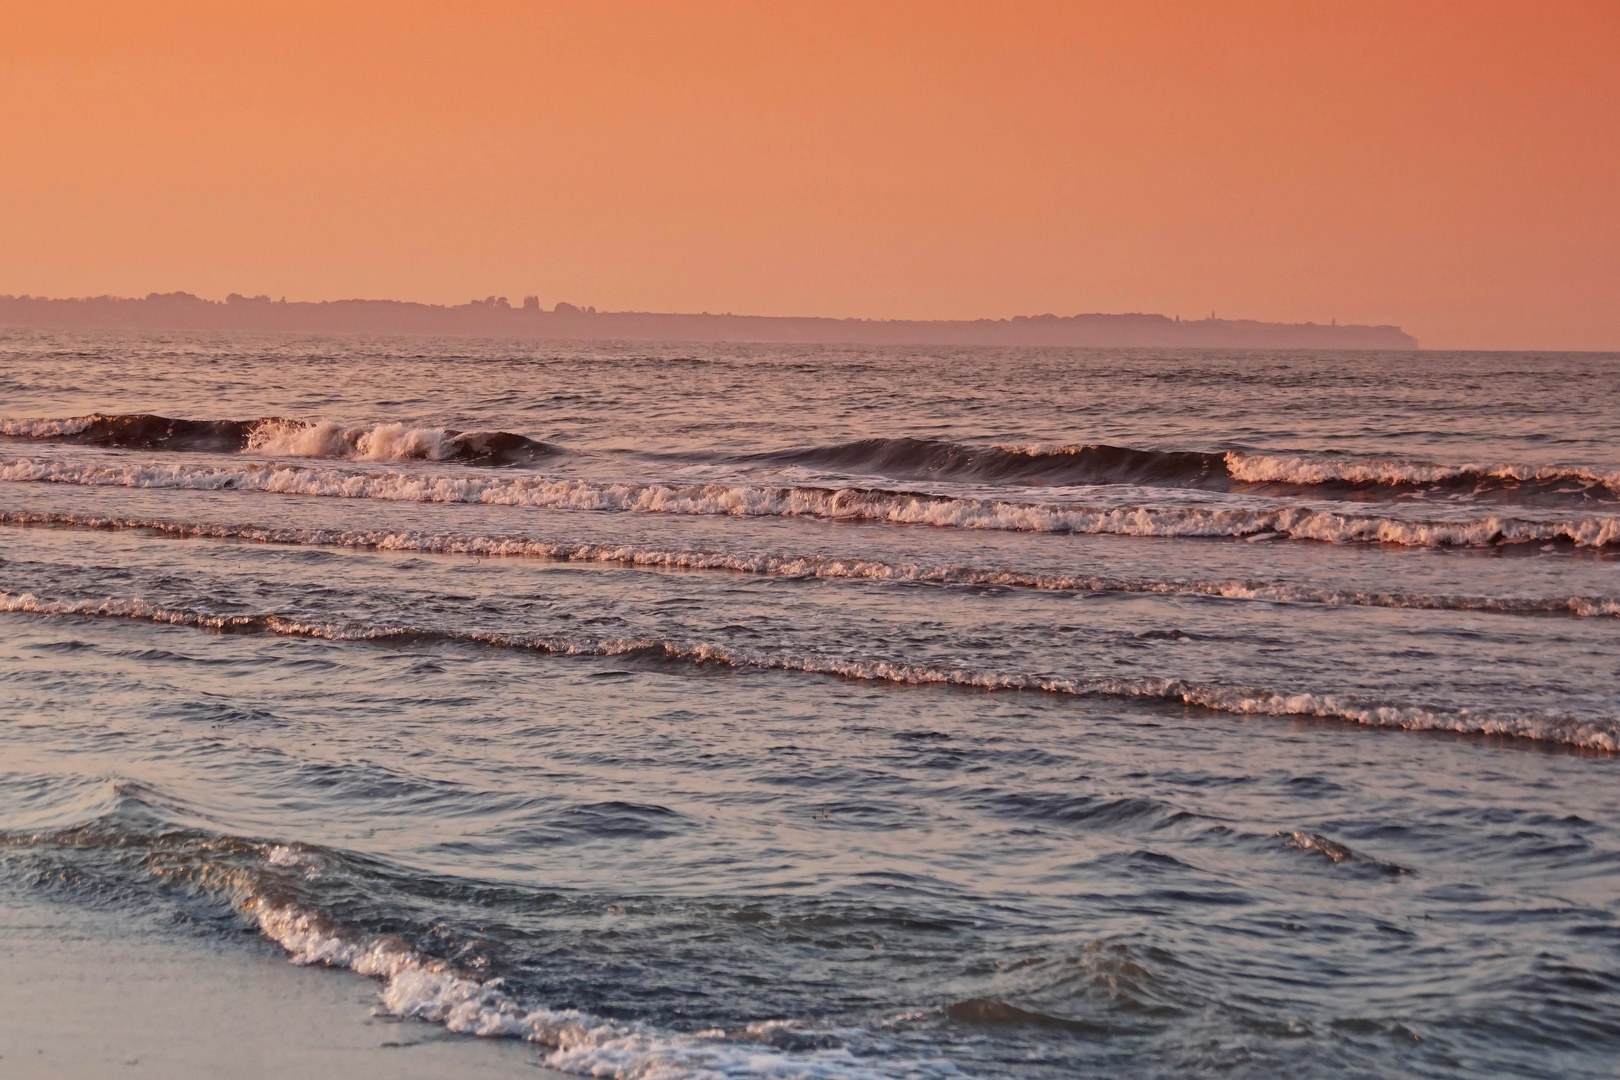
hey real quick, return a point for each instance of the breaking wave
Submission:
(394, 442)
(823, 566)
(425, 988)
(1601, 733)
(275, 437)
(1321, 475)
(1298, 522)
(923, 458)
(267, 884)
(1315, 470)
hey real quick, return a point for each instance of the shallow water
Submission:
(771, 711)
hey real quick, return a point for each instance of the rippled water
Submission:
(820, 712)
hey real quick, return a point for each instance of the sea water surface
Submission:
(697, 711)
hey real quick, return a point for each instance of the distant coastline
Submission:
(497, 317)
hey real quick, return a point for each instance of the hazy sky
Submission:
(1451, 167)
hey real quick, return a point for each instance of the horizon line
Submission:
(495, 316)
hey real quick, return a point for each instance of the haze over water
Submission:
(828, 711)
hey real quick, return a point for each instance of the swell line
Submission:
(819, 566)
(860, 505)
(1594, 734)
(1213, 470)
(903, 458)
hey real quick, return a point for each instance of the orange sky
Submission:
(1452, 167)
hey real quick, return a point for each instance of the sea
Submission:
(744, 710)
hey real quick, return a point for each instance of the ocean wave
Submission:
(907, 458)
(822, 566)
(1227, 470)
(393, 442)
(1307, 470)
(277, 437)
(1104, 464)
(1601, 733)
(137, 431)
(267, 884)
(425, 988)
(1297, 522)
(45, 428)
(1325, 475)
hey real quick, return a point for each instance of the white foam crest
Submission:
(45, 428)
(396, 442)
(113, 607)
(428, 989)
(293, 438)
(1038, 449)
(325, 439)
(848, 504)
(828, 567)
(1336, 852)
(1591, 733)
(1329, 849)
(1597, 733)
(1310, 469)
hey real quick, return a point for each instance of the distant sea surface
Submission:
(698, 711)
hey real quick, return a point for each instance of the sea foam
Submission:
(823, 566)
(1299, 522)
(429, 989)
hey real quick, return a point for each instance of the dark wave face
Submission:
(910, 459)
(1277, 475)
(147, 431)
(275, 436)
(498, 448)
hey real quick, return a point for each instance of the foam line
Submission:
(842, 504)
(822, 566)
(1598, 733)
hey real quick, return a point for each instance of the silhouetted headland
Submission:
(497, 317)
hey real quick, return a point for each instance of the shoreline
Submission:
(91, 994)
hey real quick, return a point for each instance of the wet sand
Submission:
(89, 995)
